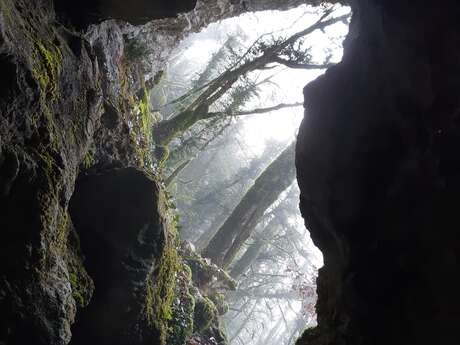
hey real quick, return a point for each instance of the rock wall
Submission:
(166, 33)
(68, 108)
(71, 133)
(49, 105)
(198, 13)
(123, 232)
(378, 168)
(84, 12)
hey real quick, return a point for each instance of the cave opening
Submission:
(218, 127)
(232, 178)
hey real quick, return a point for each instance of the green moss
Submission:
(60, 235)
(46, 68)
(204, 314)
(34, 45)
(52, 217)
(82, 286)
(146, 117)
(161, 292)
(219, 333)
(187, 272)
(47, 62)
(167, 130)
(219, 301)
(144, 121)
(206, 274)
(88, 160)
(80, 282)
(76, 294)
(181, 324)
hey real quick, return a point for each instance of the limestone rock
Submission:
(378, 168)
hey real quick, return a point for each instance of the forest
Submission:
(225, 115)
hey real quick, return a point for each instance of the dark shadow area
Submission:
(380, 191)
(83, 13)
(110, 212)
(8, 76)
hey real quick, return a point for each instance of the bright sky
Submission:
(281, 125)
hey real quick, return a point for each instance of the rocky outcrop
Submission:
(378, 170)
(67, 108)
(49, 105)
(198, 13)
(72, 132)
(85, 12)
(123, 234)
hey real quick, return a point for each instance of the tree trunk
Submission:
(198, 110)
(167, 130)
(176, 172)
(244, 218)
(249, 174)
(276, 295)
(206, 236)
(244, 322)
(251, 254)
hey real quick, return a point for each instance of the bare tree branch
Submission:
(256, 111)
(297, 65)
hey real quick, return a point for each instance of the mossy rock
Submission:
(206, 274)
(204, 315)
(181, 323)
(187, 272)
(219, 301)
(137, 258)
(81, 283)
(160, 294)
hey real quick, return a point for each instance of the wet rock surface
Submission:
(378, 171)
(122, 235)
(70, 104)
(53, 88)
(49, 104)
